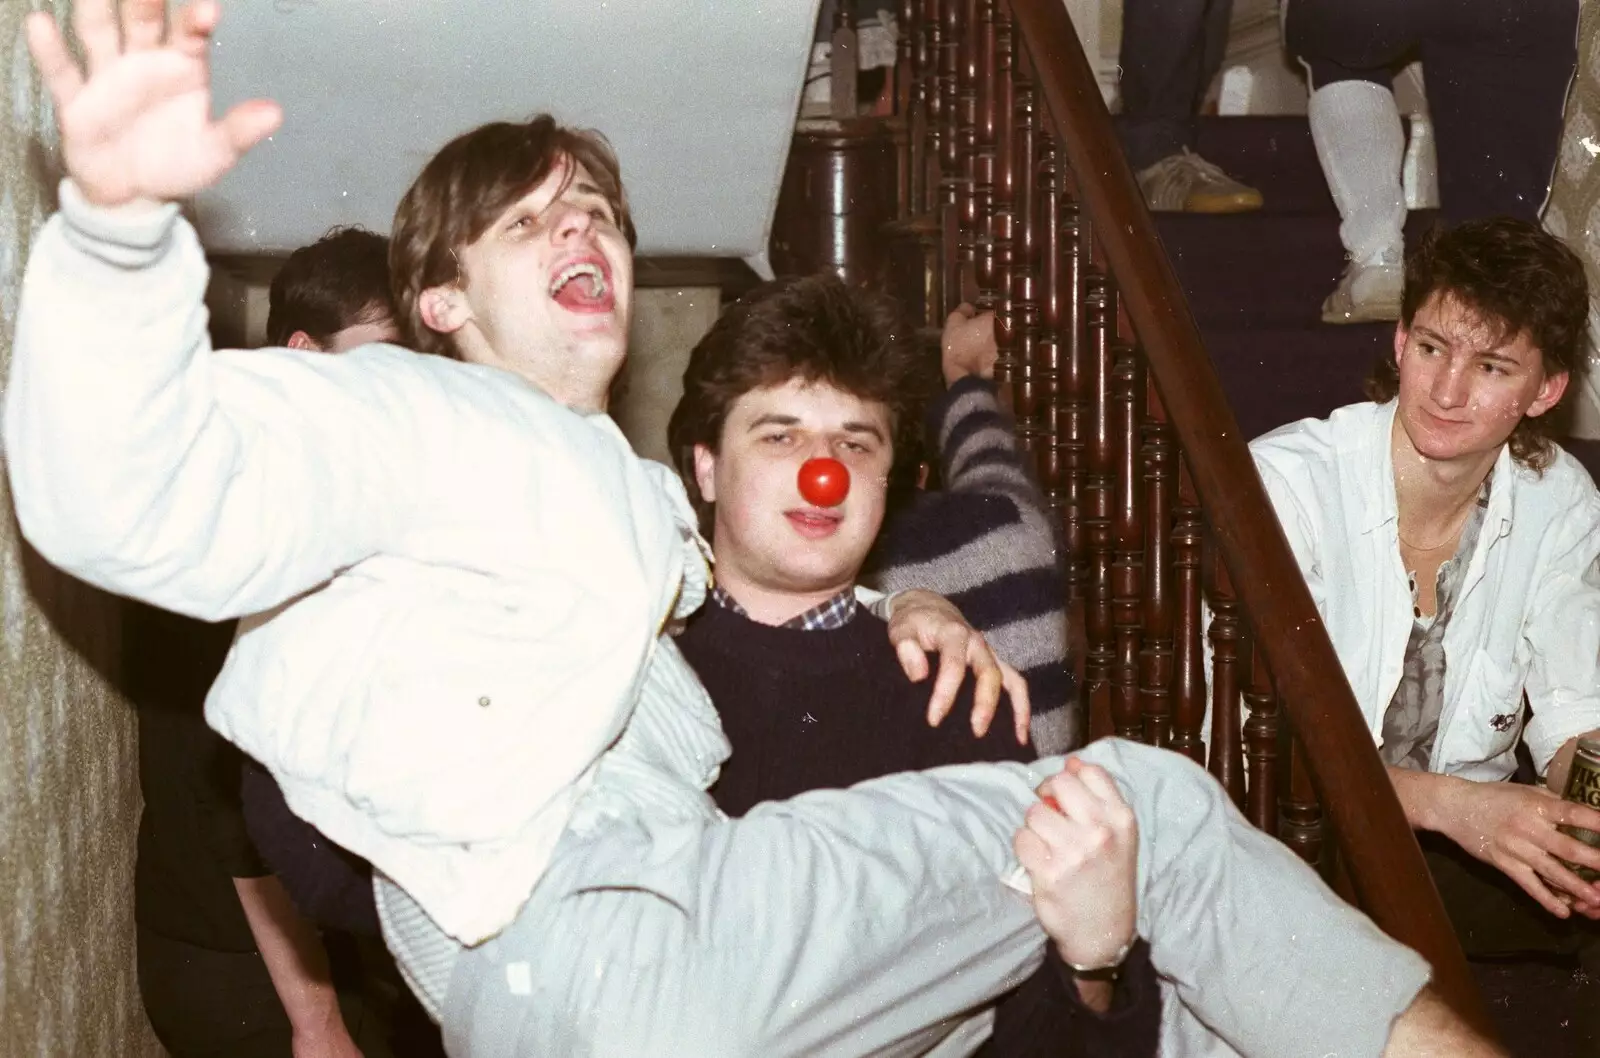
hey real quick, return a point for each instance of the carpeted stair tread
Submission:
(1253, 269)
(1274, 155)
(1288, 373)
(1259, 269)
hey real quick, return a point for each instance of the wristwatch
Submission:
(1107, 971)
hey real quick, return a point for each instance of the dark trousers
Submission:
(1497, 73)
(1171, 49)
(204, 1003)
(1494, 918)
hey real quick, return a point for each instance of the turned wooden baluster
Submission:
(1018, 317)
(843, 60)
(1226, 759)
(1040, 295)
(1098, 486)
(1156, 658)
(1261, 745)
(1001, 232)
(986, 165)
(913, 239)
(934, 102)
(1188, 659)
(1300, 823)
(1127, 560)
(908, 107)
(952, 47)
(1067, 349)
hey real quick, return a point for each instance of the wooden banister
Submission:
(1377, 845)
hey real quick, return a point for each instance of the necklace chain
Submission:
(1461, 520)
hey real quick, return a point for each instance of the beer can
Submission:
(1583, 786)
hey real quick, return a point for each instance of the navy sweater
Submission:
(805, 710)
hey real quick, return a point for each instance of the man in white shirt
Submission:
(457, 576)
(1452, 550)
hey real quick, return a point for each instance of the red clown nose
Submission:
(824, 482)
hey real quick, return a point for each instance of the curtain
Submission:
(69, 798)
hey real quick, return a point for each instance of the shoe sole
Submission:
(1235, 203)
(1385, 312)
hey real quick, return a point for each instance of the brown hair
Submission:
(814, 328)
(471, 181)
(338, 281)
(1516, 278)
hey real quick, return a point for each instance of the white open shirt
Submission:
(1527, 619)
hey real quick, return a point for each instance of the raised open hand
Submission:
(137, 126)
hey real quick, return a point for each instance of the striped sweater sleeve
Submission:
(988, 542)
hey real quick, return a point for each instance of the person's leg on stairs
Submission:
(1349, 49)
(1497, 74)
(1171, 49)
(1356, 129)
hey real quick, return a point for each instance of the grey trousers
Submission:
(873, 920)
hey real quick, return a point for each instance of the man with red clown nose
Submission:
(789, 443)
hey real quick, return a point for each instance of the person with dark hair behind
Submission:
(227, 966)
(1454, 552)
(809, 689)
(333, 295)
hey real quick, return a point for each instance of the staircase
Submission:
(1139, 354)
(1256, 281)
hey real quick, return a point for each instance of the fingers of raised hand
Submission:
(60, 73)
(95, 23)
(144, 24)
(191, 30)
(247, 124)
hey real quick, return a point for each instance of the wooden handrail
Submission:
(1381, 853)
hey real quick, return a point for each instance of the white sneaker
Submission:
(1187, 183)
(1368, 292)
